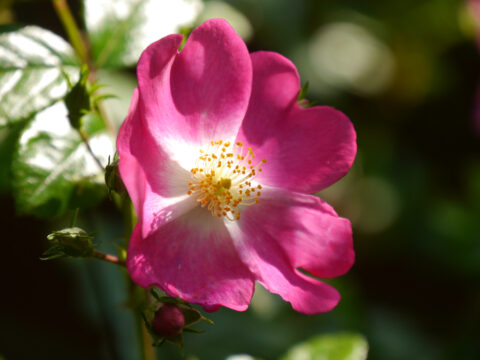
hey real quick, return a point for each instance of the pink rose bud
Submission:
(168, 321)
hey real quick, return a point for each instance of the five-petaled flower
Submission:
(219, 159)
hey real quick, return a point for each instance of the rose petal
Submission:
(271, 268)
(193, 258)
(130, 170)
(157, 185)
(307, 149)
(311, 234)
(289, 230)
(274, 91)
(212, 80)
(197, 95)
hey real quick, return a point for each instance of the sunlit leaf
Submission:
(120, 30)
(34, 64)
(52, 169)
(330, 347)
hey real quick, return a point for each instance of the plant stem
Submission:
(66, 17)
(84, 137)
(108, 257)
(74, 218)
(81, 49)
(148, 351)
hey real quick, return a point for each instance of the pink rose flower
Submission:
(218, 159)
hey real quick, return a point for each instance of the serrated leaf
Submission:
(120, 30)
(52, 166)
(34, 64)
(330, 347)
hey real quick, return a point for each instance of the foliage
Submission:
(52, 166)
(34, 66)
(330, 347)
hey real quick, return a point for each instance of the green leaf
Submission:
(8, 139)
(52, 168)
(34, 64)
(330, 347)
(118, 34)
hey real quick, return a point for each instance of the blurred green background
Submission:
(406, 73)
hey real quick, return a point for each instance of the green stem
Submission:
(84, 137)
(66, 17)
(108, 257)
(148, 351)
(75, 216)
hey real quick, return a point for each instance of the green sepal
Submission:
(177, 340)
(122, 252)
(195, 331)
(303, 92)
(301, 98)
(185, 31)
(192, 316)
(70, 242)
(112, 177)
(77, 99)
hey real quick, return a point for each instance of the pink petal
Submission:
(275, 88)
(286, 231)
(156, 184)
(309, 231)
(307, 149)
(130, 170)
(193, 258)
(197, 95)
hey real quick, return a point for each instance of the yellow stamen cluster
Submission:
(222, 178)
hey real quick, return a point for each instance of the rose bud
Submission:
(168, 321)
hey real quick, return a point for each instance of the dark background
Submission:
(413, 196)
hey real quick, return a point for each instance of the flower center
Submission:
(223, 179)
